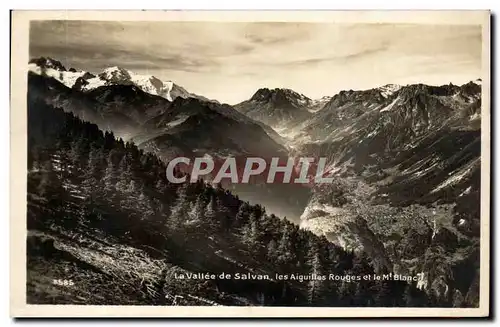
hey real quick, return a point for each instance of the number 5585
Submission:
(63, 282)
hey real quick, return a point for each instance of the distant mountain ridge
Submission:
(86, 81)
(134, 114)
(188, 127)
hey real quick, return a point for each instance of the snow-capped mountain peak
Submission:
(114, 69)
(147, 83)
(389, 89)
(280, 95)
(47, 62)
(114, 75)
(276, 107)
(53, 68)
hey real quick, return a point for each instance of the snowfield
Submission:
(114, 76)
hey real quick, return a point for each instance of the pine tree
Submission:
(242, 215)
(384, 297)
(50, 185)
(91, 182)
(211, 214)
(408, 297)
(144, 205)
(124, 175)
(225, 219)
(44, 184)
(196, 214)
(250, 232)
(60, 158)
(272, 250)
(130, 194)
(285, 247)
(33, 157)
(344, 293)
(316, 285)
(458, 300)
(110, 178)
(77, 152)
(160, 186)
(361, 267)
(131, 188)
(178, 214)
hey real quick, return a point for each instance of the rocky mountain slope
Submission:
(53, 92)
(405, 163)
(276, 107)
(150, 120)
(203, 128)
(318, 104)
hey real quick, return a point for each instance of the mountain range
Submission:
(85, 81)
(131, 108)
(190, 127)
(406, 159)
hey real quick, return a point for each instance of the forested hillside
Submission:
(103, 219)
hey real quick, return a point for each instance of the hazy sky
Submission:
(230, 61)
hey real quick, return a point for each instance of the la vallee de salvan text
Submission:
(294, 277)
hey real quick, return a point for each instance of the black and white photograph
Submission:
(255, 163)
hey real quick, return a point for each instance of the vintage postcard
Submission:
(250, 164)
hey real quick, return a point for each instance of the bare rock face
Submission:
(276, 107)
(349, 232)
(47, 62)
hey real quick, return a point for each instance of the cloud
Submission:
(333, 59)
(364, 53)
(266, 39)
(91, 51)
(98, 58)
